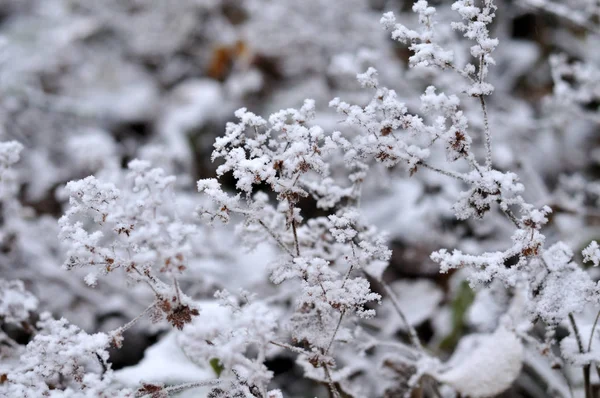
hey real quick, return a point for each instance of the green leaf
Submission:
(461, 303)
(216, 365)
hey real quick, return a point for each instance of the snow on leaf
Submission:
(488, 367)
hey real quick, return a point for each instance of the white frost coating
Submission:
(490, 368)
(190, 105)
(487, 308)
(91, 149)
(15, 302)
(9, 153)
(592, 253)
(178, 369)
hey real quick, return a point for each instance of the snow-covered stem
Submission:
(187, 386)
(292, 183)
(487, 135)
(586, 368)
(332, 388)
(412, 333)
(276, 238)
(511, 216)
(337, 328)
(296, 243)
(445, 172)
(181, 387)
(132, 322)
(589, 348)
(290, 347)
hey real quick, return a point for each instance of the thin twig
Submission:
(187, 386)
(576, 331)
(460, 72)
(295, 237)
(473, 162)
(414, 338)
(445, 172)
(433, 387)
(586, 368)
(337, 327)
(332, 386)
(589, 348)
(279, 242)
(146, 279)
(292, 348)
(511, 216)
(132, 322)
(487, 134)
(355, 258)
(407, 350)
(299, 350)
(177, 292)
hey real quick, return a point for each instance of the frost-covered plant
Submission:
(307, 191)
(135, 234)
(321, 256)
(556, 288)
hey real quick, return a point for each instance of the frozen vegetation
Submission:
(316, 198)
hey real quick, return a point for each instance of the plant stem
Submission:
(487, 134)
(181, 387)
(589, 348)
(296, 243)
(332, 386)
(586, 368)
(279, 242)
(132, 322)
(414, 338)
(337, 327)
(444, 172)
